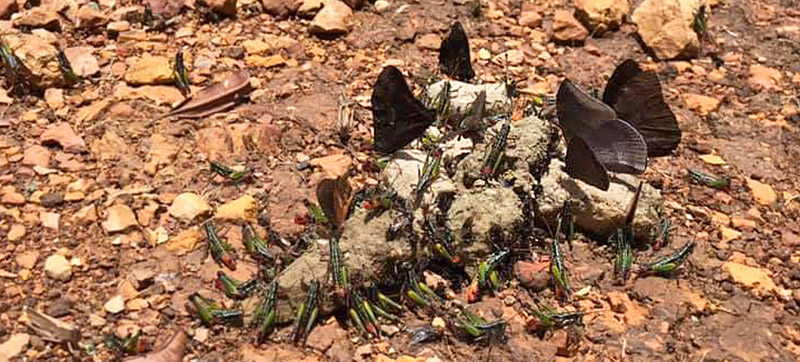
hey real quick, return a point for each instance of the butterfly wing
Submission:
(635, 95)
(334, 197)
(578, 112)
(618, 146)
(398, 117)
(583, 165)
(454, 58)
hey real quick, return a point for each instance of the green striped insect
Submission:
(256, 246)
(430, 171)
(341, 284)
(487, 270)
(233, 288)
(546, 318)
(228, 173)
(210, 312)
(667, 265)
(267, 312)
(625, 236)
(558, 271)
(307, 314)
(180, 74)
(221, 251)
(494, 158)
(662, 236)
(712, 181)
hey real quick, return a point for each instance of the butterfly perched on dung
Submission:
(334, 196)
(397, 117)
(619, 133)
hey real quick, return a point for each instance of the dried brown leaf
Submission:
(215, 98)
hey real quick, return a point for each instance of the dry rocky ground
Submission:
(102, 198)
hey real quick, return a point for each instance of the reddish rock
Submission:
(7, 8)
(36, 156)
(567, 29)
(64, 136)
(281, 8)
(214, 143)
(89, 18)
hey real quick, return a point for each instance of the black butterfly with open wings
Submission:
(618, 134)
(398, 117)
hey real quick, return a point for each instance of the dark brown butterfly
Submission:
(597, 141)
(334, 197)
(454, 58)
(398, 117)
(635, 95)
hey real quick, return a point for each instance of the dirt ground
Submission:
(736, 300)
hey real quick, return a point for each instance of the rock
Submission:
(52, 199)
(16, 232)
(39, 56)
(57, 267)
(244, 208)
(462, 96)
(36, 156)
(150, 70)
(597, 211)
(10, 196)
(281, 8)
(187, 206)
(364, 249)
(530, 18)
(162, 152)
(115, 305)
(334, 165)
(762, 78)
(86, 215)
(38, 17)
(667, 27)
(567, 29)
(701, 104)
(63, 135)
(750, 277)
(429, 42)
(322, 337)
(116, 27)
(213, 142)
(28, 259)
(355, 4)
(335, 18)
(404, 170)
(712, 159)
(50, 220)
(14, 346)
(110, 147)
(381, 6)
(742, 223)
(165, 8)
(762, 193)
(727, 234)
(185, 241)
(309, 8)
(533, 275)
(8, 8)
(59, 308)
(119, 218)
(83, 63)
(224, 7)
(265, 62)
(54, 97)
(601, 15)
(88, 17)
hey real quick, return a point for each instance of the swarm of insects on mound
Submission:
(595, 132)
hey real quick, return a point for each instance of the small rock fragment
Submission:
(701, 104)
(88, 17)
(764, 78)
(334, 19)
(188, 206)
(750, 277)
(36, 156)
(762, 193)
(667, 27)
(150, 70)
(601, 15)
(83, 63)
(57, 267)
(185, 241)
(244, 208)
(64, 136)
(567, 29)
(13, 346)
(712, 159)
(115, 305)
(16, 232)
(333, 165)
(119, 218)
